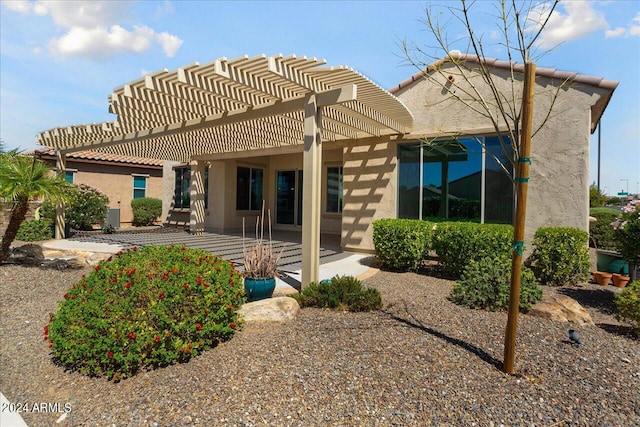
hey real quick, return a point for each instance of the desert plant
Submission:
(485, 284)
(23, 179)
(31, 231)
(146, 308)
(401, 244)
(146, 210)
(458, 243)
(341, 292)
(628, 305)
(87, 206)
(560, 255)
(260, 259)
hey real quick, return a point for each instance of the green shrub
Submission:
(146, 210)
(458, 243)
(560, 255)
(628, 305)
(401, 244)
(86, 207)
(31, 231)
(342, 292)
(146, 308)
(601, 231)
(485, 284)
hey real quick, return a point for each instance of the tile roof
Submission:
(95, 156)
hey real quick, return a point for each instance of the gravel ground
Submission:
(423, 361)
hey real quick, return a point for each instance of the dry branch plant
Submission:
(260, 260)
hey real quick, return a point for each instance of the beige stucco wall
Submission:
(370, 181)
(116, 182)
(558, 193)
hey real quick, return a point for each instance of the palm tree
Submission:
(23, 179)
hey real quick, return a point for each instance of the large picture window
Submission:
(460, 178)
(334, 189)
(249, 189)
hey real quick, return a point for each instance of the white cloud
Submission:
(170, 43)
(97, 29)
(101, 42)
(616, 32)
(20, 6)
(578, 21)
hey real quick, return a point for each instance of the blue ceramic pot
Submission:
(257, 289)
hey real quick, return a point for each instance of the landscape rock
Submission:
(561, 308)
(29, 254)
(280, 309)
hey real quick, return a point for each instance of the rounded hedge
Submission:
(146, 308)
(486, 283)
(342, 293)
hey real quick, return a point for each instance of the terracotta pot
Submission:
(602, 278)
(620, 280)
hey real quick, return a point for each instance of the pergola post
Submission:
(312, 168)
(196, 191)
(61, 168)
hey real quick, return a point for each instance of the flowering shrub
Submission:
(627, 230)
(146, 308)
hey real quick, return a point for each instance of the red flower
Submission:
(174, 270)
(198, 326)
(219, 293)
(65, 296)
(198, 281)
(110, 355)
(46, 337)
(50, 344)
(232, 325)
(135, 248)
(230, 307)
(84, 285)
(167, 334)
(119, 253)
(186, 286)
(46, 329)
(97, 267)
(132, 335)
(117, 336)
(127, 285)
(156, 338)
(106, 312)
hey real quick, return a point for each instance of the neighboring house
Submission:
(327, 145)
(120, 178)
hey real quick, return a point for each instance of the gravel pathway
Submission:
(423, 361)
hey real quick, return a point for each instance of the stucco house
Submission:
(120, 178)
(330, 151)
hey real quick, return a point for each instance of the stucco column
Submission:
(61, 168)
(196, 223)
(312, 170)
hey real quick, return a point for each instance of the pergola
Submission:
(239, 107)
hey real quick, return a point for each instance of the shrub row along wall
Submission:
(560, 256)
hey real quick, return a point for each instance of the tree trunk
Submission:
(18, 214)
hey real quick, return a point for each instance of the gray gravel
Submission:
(424, 361)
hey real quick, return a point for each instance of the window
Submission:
(459, 178)
(182, 196)
(249, 189)
(182, 188)
(334, 189)
(68, 176)
(139, 186)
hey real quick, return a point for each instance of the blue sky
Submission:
(59, 60)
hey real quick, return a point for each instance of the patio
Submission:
(229, 246)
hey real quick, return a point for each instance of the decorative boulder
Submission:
(561, 308)
(279, 309)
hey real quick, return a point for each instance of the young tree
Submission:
(468, 79)
(23, 179)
